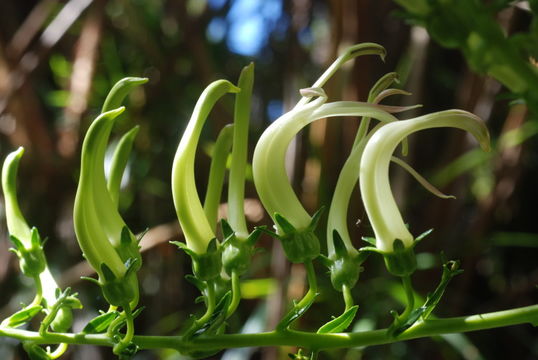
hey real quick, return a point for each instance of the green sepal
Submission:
(284, 225)
(294, 314)
(125, 236)
(371, 249)
(118, 291)
(128, 249)
(299, 245)
(340, 323)
(32, 261)
(315, 219)
(254, 236)
(140, 236)
(237, 253)
(205, 266)
(90, 279)
(199, 284)
(263, 229)
(132, 265)
(423, 235)
(401, 261)
(227, 230)
(370, 240)
(185, 248)
(345, 266)
(107, 273)
(24, 315)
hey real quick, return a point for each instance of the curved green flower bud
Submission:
(392, 236)
(113, 101)
(119, 162)
(217, 170)
(196, 228)
(236, 184)
(28, 244)
(16, 223)
(107, 243)
(119, 91)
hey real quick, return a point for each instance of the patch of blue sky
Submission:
(274, 109)
(251, 23)
(216, 4)
(216, 29)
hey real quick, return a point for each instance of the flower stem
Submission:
(410, 297)
(426, 328)
(348, 298)
(236, 294)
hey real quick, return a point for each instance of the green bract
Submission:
(391, 233)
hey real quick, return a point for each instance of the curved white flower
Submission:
(379, 202)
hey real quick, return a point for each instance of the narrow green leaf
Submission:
(100, 323)
(340, 323)
(24, 315)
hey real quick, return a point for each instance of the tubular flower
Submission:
(392, 238)
(108, 245)
(343, 259)
(202, 244)
(294, 226)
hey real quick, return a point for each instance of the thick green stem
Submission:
(427, 328)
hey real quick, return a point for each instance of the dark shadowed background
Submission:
(58, 59)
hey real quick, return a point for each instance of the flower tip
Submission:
(114, 113)
(313, 92)
(234, 89)
(19, 152)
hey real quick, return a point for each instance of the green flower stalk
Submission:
(201, 243)
(392, 238)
